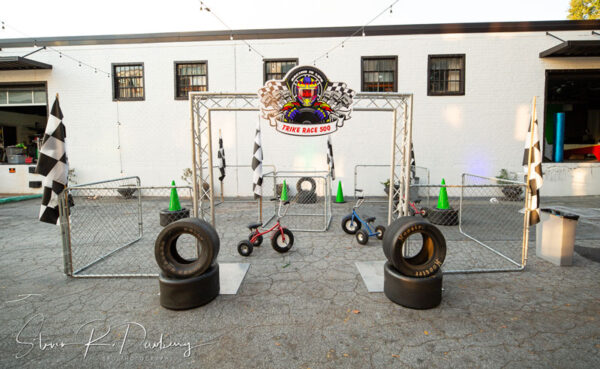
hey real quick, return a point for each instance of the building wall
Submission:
(478, 133)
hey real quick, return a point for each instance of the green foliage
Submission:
(584, 9)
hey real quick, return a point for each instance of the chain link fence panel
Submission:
(374, 180)
(111, 227)
(481, 219)
(309, 194)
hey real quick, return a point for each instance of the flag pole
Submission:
(221, 179)
(527, 187)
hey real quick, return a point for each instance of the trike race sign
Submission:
(306, 103)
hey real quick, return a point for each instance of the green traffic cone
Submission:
(339, 198)
(284, 195)
(174, 202)
(443, 198)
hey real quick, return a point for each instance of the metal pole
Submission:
(210, 171)
(392, 169)
(405, 156)
(194, 164)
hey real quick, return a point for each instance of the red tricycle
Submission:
(282, 239)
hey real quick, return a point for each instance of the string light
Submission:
(250, 47)
(60, 53)
(358, 30)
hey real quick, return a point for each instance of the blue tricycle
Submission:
(352, 223)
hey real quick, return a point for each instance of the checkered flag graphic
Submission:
(342, 88)
(272, 98)
(53, 165)
(532, 166)
(257, 158)
(330, 158)
(221, 159)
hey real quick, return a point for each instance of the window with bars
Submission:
(278, 68)
(128, 81)
(190, 76)
(379, 73)
(446, 75)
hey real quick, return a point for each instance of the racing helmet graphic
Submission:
(307, 90)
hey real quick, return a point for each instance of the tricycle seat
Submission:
(370, 219)
(254, 225)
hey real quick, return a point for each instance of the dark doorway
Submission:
(576, 93)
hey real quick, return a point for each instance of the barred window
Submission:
(379, 73)
(128, 82)
(190, 76)
(278, 68)
(446, 75)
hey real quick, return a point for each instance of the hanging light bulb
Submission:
(327, 55)
(363, 32)
(390, 10)
(3, 26)
(60, 55)
(342, 45)
(95, 70)
(80, 64)
(231, 37)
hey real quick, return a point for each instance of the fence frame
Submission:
(327, 210)
(65, 225)
(519, 266)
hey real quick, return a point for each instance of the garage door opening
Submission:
(23, 117)
(576, 94)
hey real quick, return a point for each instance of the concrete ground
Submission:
(305, 309)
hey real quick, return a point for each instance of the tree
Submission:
(584, 9)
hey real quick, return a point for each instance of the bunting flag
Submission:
(330, 158)
(221, 159)
(53, 165)
(257, 158)
(532, 166)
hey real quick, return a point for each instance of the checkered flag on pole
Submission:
(532, 166)
(412, 162)
(53, 165)
(257, 158)
(221, 159)
(330, 158)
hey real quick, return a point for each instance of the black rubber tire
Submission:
(289, 236)
(446, 217)
(313, 184)
(362, 237)
(380, 232)
(411, 292)
(431, 256)
(258, 241)
(347, 224)
(391, 229)
(169, 260)
(245, 248)
(167, 217)
(180, 294)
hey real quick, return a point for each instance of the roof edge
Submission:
(257, 34)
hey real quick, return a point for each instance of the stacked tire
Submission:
(187, 283)
(413, 281)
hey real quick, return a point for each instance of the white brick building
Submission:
(476, 125)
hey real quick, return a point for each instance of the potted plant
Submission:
(386, 186)
(511, 191)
